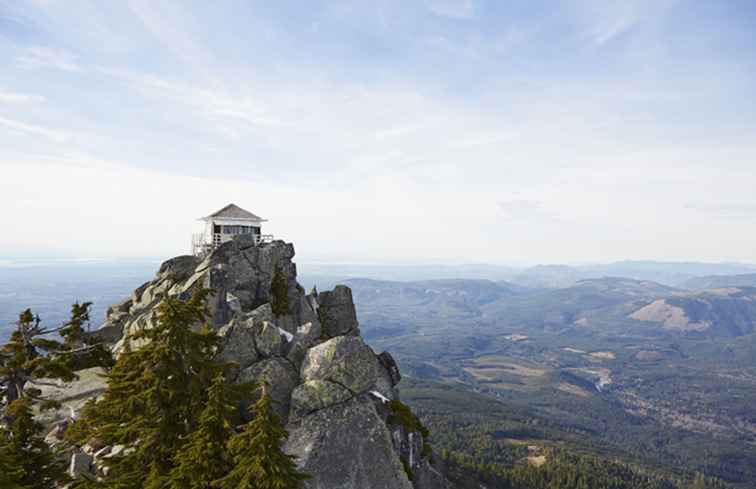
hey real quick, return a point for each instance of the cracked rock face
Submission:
(239, 273)
(331, 389)
(279, 375)
(344, 360)
(347, 446)
(337, 313)
(238, 343)
(314, 395)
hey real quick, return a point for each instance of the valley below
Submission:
(658, 375)
(574, 368)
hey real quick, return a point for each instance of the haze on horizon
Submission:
(433, 131)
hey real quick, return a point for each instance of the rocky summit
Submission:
(347, 427)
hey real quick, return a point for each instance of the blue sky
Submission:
(383, 131)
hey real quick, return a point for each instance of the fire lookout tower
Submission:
(223, 225)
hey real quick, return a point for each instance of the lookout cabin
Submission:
(223, 225)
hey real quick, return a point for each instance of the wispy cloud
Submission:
(41, 57)
(175, 35)
(54, 135)
(19, 98)
(606, 20)
(543, 116)
(216, 104)
(458, 9)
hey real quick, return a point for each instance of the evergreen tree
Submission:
(26, 461)
(27, 361)
(26, 358)
(204, 458)
(31, 355)
(155, 394)
(11, 471)
(258, 459)
(84, 351)
(73, 332)
(279, 293)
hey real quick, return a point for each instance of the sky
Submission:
(407, 131)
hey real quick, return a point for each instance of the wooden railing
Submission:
(202, 244)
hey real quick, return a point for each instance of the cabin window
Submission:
(240, 229)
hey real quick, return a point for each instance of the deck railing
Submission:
(263, 238)
(202, 244)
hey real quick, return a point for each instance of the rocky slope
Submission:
(347, 428)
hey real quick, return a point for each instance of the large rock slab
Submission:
(238, 343)
(345, 360)
(337, 313)
(279, 375)
(346, 446)
(269, 339)
(72, 395)
(178, 268)
(248, 269)
(305, 337)
(315, 395)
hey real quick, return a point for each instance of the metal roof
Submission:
(233, 211)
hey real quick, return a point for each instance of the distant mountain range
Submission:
(607, 304)
(674, 274)
(719, 281)
(49, 286)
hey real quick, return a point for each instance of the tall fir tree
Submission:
(279, 293)
(83, 350)
(11, 470)
(26, 461)
(155, 394)
(73, 331)
(258, 458)
(204, 458)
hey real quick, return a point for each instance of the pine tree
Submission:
(26, 362)
(31, 355)
(26, 461)
(73, 331)
(259, 461)
(27, 357)
(279, 292)
(155, 395)
(204, 458)
(11, 470)
(84, 352)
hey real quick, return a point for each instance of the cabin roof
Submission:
(233, 211)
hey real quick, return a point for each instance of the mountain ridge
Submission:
(338, 398)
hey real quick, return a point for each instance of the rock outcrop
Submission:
(337, 396)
